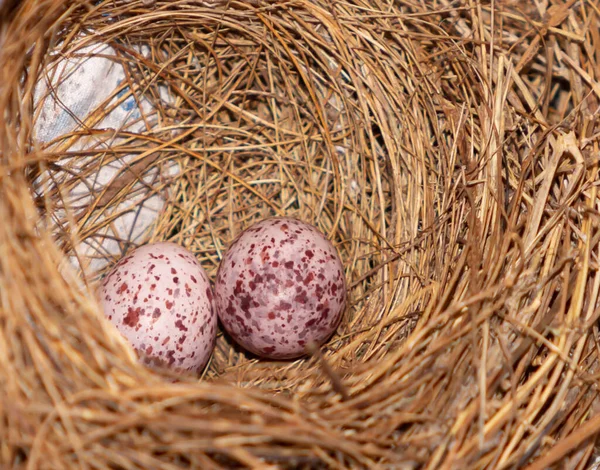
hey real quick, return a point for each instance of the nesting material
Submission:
(448, 150)
(82, 89)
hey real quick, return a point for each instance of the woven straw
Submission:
(449, 149)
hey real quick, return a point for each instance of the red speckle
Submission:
(153, 286)
(284, 227)
(310, 323)
(170, 355)
(268, 350)
(182, 339)
(238, 287)
(319, 291)
(149, 350)
(180, 326)
(156, 314)
(245, 305)
(252, 285)
(289, 265)
(309, 253)
(188, 290)
(176, 280)
(301, 298)
(271, 316)
(169, 304)
(173, 271)
(275, 264)
(310, 276)
(193, 279)
(284, 306)
(209, 294)
(133, 317)
(123, 288)
(124, 261)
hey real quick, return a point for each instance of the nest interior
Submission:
(448, 149)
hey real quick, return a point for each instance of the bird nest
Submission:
(450, 152)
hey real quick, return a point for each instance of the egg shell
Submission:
(161, 301)
(280, 285)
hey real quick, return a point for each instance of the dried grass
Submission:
(449, 149)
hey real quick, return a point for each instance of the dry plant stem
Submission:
(448, 149)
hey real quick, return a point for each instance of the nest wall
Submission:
(448, 149)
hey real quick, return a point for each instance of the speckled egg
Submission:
(280, 285)
(160, 299)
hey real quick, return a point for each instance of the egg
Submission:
(160, 299)
(279, 287)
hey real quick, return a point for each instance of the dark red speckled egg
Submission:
(161, 301)
(280, 286)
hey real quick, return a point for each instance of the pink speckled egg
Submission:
(280, 286)
(160, 299)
